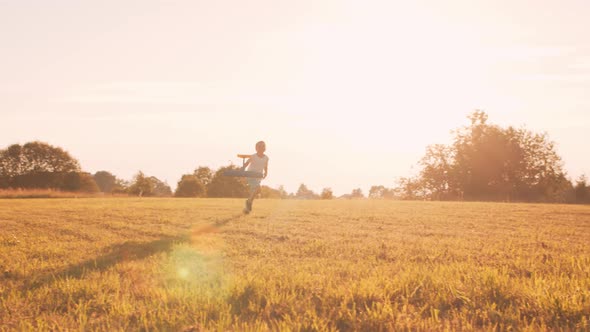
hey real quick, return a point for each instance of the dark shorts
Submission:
(253, 183)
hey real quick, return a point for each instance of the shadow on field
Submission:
(127, 251)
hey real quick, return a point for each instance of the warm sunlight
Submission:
(360, 88)
(294, 165)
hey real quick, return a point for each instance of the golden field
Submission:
(129, 264)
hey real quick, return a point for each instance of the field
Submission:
(199, 265)
(41, 193)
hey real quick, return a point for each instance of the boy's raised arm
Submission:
(246, 164)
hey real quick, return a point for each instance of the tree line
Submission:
(485, 162)
(38, 165)
(42, 166)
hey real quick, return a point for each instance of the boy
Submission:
(257, 162)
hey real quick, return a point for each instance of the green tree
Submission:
(189, 186)
(304, 193)
(480, 155)
(121, 187)
(204, 175)
(487, 162)
(283, 192)
(80, 181)
(327, 193)
(581, 190)
(437, 175)
(376, 192)
(40, 165)
(225, 186)
(357, 193)
(268, 192)
(410, 189)
(36, 157)
(161, 189)
(106, 181)
(506, 164)
(141, 185)
(381, 192)
(543, 178)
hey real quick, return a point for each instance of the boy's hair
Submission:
(260, 143)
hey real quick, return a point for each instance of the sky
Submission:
(346, 94)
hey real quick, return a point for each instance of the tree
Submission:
(410, 189)
(493, 163)
(80, 181)
(106, 181)
(225, 186)
(189, 186)
(480, 153)
(204, 175)
(161, 189)
(357, 193)
(121, 187)
(543, 178)
(36, 157)
(40, 165)
(376, 192)
(581, 190)
(268, 192)
(141, 185)
(304, 193)
(389, 194)
(283, 192)
(488, 162)
(381, 192)
(437, 174)
(327, 193)
(87, 183)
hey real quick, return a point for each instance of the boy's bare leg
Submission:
(252, 196)
(254, 193)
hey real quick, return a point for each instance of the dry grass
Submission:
(42, 193)
(187, 264)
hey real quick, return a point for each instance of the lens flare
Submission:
(183, 273)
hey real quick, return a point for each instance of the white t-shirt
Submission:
(257, 164)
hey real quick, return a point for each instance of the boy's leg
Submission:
(253, 194)
(254, 190)
(247, 208)
(250, 200)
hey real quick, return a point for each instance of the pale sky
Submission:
(346, 94)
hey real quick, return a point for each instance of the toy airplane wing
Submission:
(243, 174)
